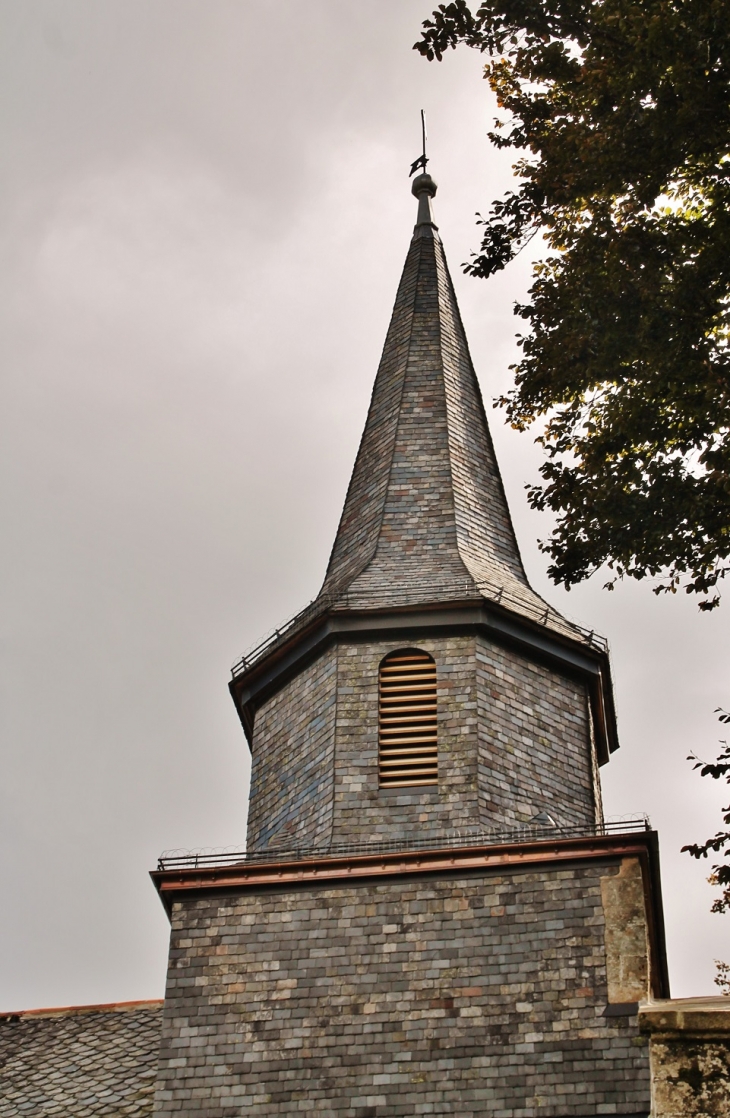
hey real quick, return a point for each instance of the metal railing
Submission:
(426, 593)
(463, 837)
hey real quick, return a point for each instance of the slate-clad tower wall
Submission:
(291, 801)
(513, 742)
(452, 996)
(475, 943)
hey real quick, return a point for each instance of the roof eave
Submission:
(254, 685)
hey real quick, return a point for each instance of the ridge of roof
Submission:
(71, 1010)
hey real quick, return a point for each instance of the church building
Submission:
(431, 916)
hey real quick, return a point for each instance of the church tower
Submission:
(431, 916)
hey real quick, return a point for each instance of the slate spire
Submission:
(425, 518)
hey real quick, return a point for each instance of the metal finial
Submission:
(422, 159)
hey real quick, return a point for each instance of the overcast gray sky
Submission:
(205, 211)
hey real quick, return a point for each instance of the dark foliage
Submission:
(718, 770)
(620, 112)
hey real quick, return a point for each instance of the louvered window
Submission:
(407, 749)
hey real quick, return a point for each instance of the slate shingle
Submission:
(83, 1062)
(425, 517)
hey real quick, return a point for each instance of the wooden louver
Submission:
(407, 752)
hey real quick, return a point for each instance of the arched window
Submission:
(407, 749)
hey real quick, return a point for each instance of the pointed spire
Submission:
(425, 518)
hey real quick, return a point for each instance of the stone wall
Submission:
(627, 934)
(513, 741)
(465, 995)
(690, 1056)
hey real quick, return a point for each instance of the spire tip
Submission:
(424, 188)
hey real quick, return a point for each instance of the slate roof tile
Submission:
(426, 518)
(82, 1062)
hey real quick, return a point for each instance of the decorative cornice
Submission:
(690, 1019)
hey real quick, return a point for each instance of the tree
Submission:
(718, 770)
(620, 113)
(720, 875)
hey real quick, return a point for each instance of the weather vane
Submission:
(422, 159)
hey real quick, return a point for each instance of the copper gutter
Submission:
(251, 876)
